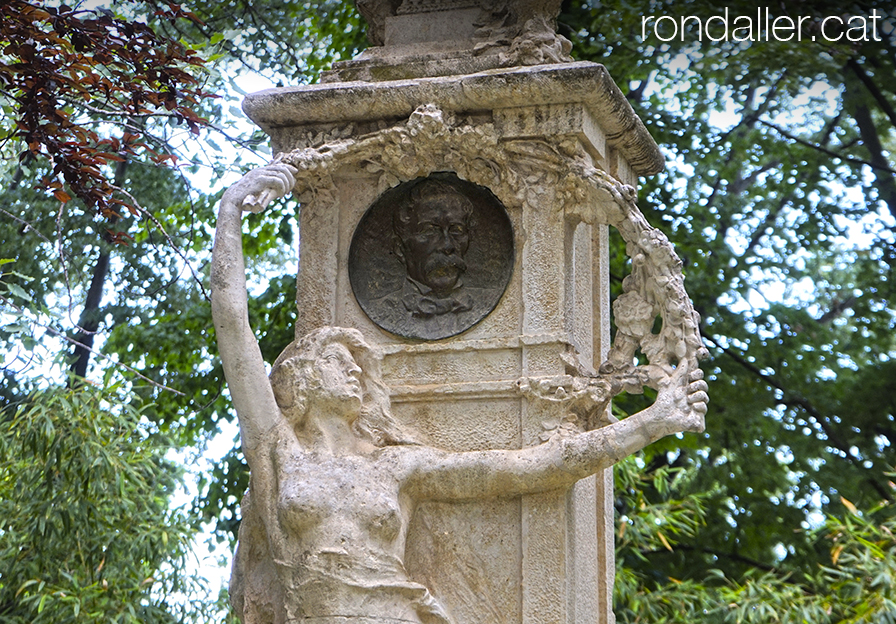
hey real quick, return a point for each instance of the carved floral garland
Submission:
(520, 170)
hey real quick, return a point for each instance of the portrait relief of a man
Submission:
(438, 283)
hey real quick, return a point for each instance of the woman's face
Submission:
(339, 374)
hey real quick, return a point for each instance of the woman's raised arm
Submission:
(680, 406)
(243, 365)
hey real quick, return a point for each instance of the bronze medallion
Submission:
(431, 257)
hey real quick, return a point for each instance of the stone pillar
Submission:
(485, 95)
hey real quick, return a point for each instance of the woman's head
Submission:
(335, 364)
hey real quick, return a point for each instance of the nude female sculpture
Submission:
(334, 480)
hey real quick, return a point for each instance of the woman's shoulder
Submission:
(281, 441)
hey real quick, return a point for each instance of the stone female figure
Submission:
(334, 481)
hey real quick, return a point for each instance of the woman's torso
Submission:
(344, 528)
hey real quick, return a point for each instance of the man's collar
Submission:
(422, 302)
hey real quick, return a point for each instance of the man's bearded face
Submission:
(435, 243)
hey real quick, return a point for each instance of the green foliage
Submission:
(779, 155)
(87, 533)
(769, 176)
(855, 584)
(861, 574)
(779, 197)
(286, 40)
(651, 517)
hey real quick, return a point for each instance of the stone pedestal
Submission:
(526, 134)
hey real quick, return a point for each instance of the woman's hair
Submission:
(256, 591)
(295, 380)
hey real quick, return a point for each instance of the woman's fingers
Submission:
(264, 185)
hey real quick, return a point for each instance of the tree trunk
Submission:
(886, 182)
(91, 315)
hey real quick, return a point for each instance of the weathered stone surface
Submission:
(316, 430)
(313, 115)
(528, 357)
(335, 478)
(453, 28)
(427, 143)
(439, 470)
(504, 33)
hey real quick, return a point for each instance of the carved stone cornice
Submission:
(285, 111)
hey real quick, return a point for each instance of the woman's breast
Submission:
(355, 501)
(304, 504)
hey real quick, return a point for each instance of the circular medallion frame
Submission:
(453, 236)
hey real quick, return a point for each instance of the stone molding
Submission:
(282, 111)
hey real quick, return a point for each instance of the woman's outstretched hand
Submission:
(259, 187)
(683, 399)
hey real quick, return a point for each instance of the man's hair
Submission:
(429, 189)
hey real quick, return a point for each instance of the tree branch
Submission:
(886, 184)
(176, 249)
(753, 563)
(26, 226)
(90, 316)
(62, 335)
(872, 87)
(749, 117)
(791, 400)
(824, 150)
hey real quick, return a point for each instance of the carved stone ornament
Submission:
(422, 6)
(334, 477)
(431, 257)
(519, 32)
(525, 170)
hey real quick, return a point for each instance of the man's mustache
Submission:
(440, 263)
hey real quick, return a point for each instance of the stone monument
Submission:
(448, 458)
